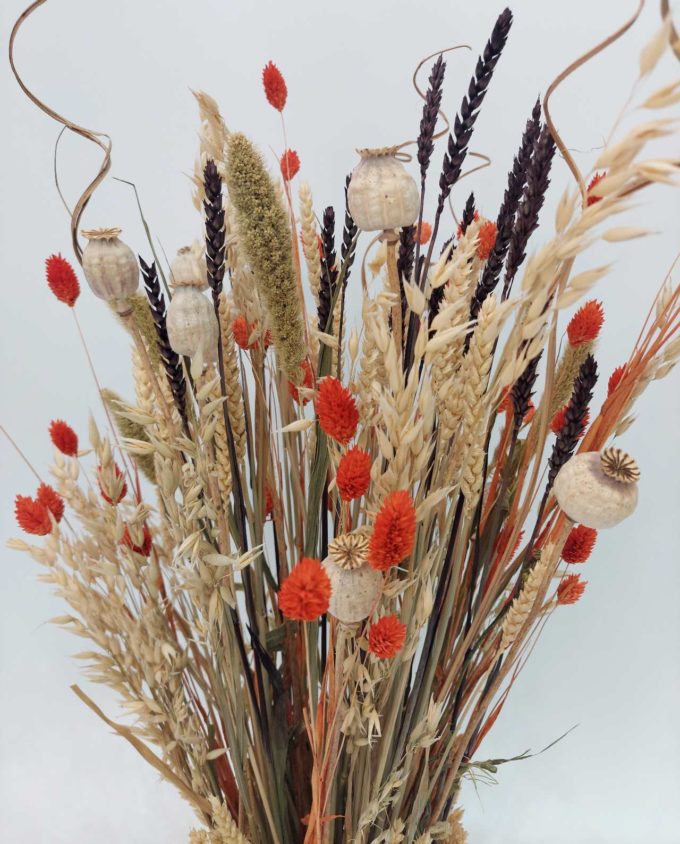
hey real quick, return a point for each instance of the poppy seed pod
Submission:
(382, 195)
(192, 325)
(598, 490)
(355, 586)
(188, 268)
(110, 266)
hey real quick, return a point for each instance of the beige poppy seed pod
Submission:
(188, 268)
(192, 324)
(355, 586)
(593, 490)
(110, 266)
(382, 195)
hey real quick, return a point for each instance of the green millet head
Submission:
(266, 238)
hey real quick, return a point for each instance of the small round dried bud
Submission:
(188, 268)
(589, 496)
(349, 550)
(620, 466)
(110, 266)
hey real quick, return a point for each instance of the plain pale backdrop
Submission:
(609, 664)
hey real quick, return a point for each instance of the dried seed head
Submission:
(102, 234)
(620, 466)
(349, 550)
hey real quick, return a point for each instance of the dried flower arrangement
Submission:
(312, 558)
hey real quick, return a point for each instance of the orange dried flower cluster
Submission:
(354, 474)
(275, 89)
(592, 198)
(268, 501)
(120, 486)
(61, 279)
(33, 514)
(585, 325)
(337, 411)
(386, 637)
(571, 588)
(560, 418)
(64, 437)
(425, 233)
(243, 330)
(615, 378)
(579, 545)
(147, 541)
(394, 531)
(305, 594)
(290, 164)
(307, 383)
(486, 239)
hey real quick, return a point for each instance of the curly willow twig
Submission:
(100, 138)
(586, 57)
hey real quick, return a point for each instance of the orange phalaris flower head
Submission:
(337, 411)
(242, 329)
(147, 541)
(290, 164)
(394, 531)
(32, 516)
(570, 589)
(354, 474)
(615, 378)
(51, 499)
(386, 637)
(579, 545)
(118, 487)
(560, 418)
(425, 233)
(61, 279)
(586, 323)
(64, 437)
(307, 382)
(306, 592)
(592, 198)
(268, 501)
(274, 86)
(486, 239)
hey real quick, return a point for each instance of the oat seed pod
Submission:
(598, 490)
(264, 231)
(382, 194)
(192, 325)
(355, 586)
(110, 266)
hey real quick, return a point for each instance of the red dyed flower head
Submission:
(61, 279)
(592, 198)
(394, 531)
(307, 383)
(579, 545)
(615, 378)
(354, 474)
(586, 323)
(487, 239)
(64, 438)
(337, 411)
(290, 164)
(570, 589)
(560, 418)
(425, 233)
(386, 637)
(268, 501)
(242, 329)
(51, 499)
(32, 516)
(306, 592)
(274, 86)
(147, 541)
(112, 487)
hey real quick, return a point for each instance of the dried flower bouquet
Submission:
(312, 557)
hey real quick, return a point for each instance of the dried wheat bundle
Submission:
(310, 555)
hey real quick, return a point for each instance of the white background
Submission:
(609, 664)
